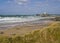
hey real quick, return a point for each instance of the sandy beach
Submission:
(23, 28)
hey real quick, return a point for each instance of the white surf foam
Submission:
(17, 19)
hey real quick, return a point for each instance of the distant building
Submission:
(43, 14)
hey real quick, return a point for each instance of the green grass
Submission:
(50, 34)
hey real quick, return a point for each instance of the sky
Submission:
(29, 6)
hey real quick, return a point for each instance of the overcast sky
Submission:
(29, 6)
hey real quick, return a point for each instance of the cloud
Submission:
(21, 1)
(17, 1)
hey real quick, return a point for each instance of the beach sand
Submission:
(24, 28)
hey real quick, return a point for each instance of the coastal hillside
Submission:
(50, 34)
